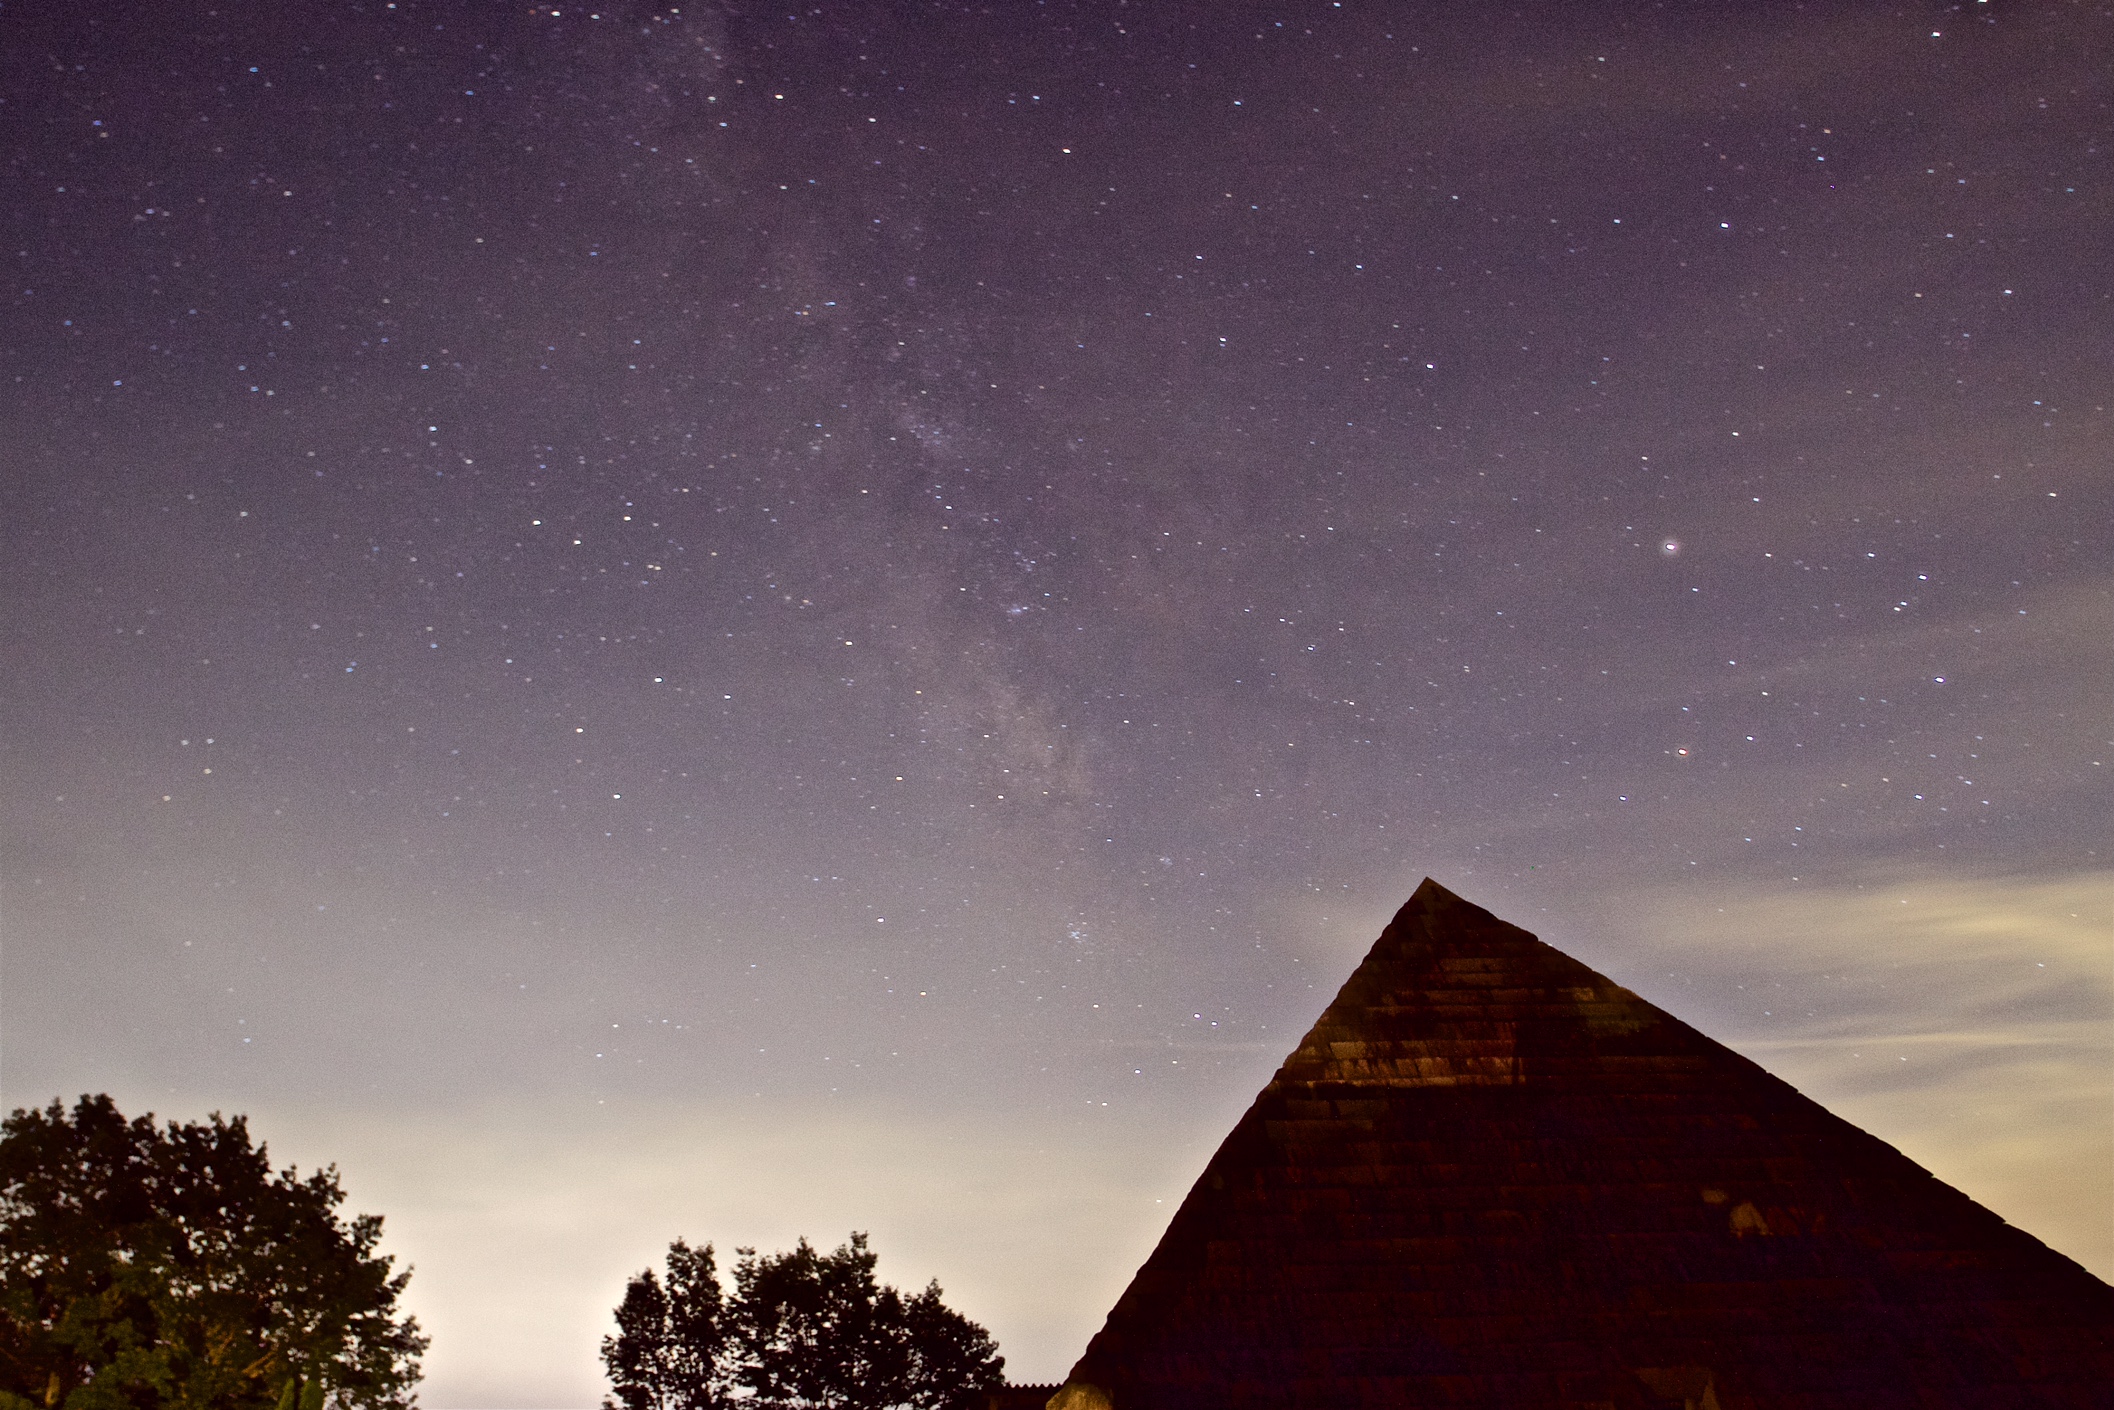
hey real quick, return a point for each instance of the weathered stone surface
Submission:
(1491, 1177)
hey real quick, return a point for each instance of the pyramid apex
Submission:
(1450, 995)
(1438, 914)
(1427, 891)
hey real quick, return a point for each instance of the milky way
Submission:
(742, 622)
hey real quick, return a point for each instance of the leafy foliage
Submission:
(145, 1268)
(670, 1338)
(803, 1331)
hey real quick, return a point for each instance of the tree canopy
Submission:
(803, 1331)
(145, 1267)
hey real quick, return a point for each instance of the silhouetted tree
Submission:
(145, 1267)
(670, 1341)
(803, 1331)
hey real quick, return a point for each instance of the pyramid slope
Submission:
(1490, 1176)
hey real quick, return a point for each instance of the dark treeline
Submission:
(800, 1329)
(169, 1267)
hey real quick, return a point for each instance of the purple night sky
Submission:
(737, 622)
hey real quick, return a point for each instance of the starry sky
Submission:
(742, 621)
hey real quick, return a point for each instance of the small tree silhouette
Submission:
(803, 1331)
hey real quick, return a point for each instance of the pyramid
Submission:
(1490, 1176)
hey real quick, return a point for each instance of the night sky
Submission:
(745, 621)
